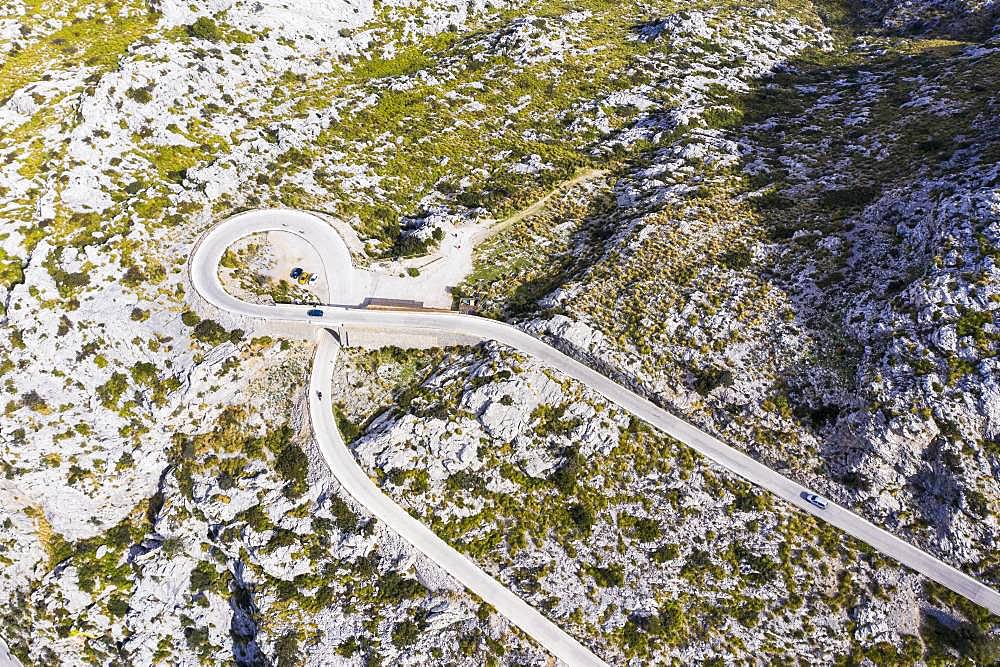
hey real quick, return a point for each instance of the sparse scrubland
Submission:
(789, 233)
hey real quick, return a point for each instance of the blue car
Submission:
(296, 272)
(315, 312)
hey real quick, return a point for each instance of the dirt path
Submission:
(500, 225)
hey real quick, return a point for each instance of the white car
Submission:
(813, 499)
(313, 278)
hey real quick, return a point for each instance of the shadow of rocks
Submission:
(243, 628)
(867, 172)
(973, 20)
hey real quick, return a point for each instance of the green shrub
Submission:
(708, 379)
(748, 613)
(348, 429)
(465, 481)
(721, 117)
(647, 530)
(972, 323)
(852, 197)
(74, 280)
(565, 475)
(751, 501)
(736, 259)
(468, 643)
(551, 421)
(582, 517)
(197, 640)
(666, 552)
(772, 200)
(140, 95)
(134, 276)
(204, 28)
(348, 647)
(144, 372)
(673, 623)
(968, 639)
(112, 390)
(346, 520)
(211, 332)
(172, 546)
(605, 577)
(118, 606)
(293, 466)
(203, 576)
(408, 245)
(405, 633)
(698, 563)
(33, 401)
(393, 587)
(190, 318)
(286, 650)
(634, 638)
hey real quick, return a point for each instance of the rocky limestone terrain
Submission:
(787, 230)
(633, 542)
(886, 396)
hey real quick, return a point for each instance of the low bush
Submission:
(405, 633)
(392, 587)
(212, 333)
(605, 577)
(204, 28)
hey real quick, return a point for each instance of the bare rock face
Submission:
(24, 554)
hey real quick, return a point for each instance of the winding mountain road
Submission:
(348, 289)
(347, 471)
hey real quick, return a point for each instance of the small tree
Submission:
(293, 465)
(565, 476)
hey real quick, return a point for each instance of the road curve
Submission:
(204, 276)
(203, 271)
(347, 471)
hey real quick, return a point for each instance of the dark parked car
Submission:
(315, 312)
(296, 272)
